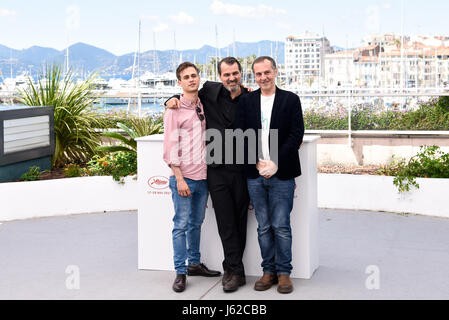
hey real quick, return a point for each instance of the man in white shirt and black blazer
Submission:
(275, 116)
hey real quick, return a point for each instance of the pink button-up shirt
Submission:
(184, 139)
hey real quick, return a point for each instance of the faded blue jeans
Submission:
(189, 216)
(273, 202)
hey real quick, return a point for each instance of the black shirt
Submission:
(220, 111)
(219, 107)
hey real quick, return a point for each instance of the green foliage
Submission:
(74, 122)
(73, 170)
(321, 119)
(393, 168)
(430, 162)
(32, 174)
(433, 115)
(137, 127)
(366, 118)
(121, 160)
(118, 165)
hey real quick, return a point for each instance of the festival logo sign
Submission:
(158, 182)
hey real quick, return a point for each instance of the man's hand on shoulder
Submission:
(247, 88)
(173, 103)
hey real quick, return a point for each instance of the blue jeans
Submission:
(273, 202)
(189, 216)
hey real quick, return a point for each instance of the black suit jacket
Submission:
(287, 118)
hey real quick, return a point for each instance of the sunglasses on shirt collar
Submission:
(199, 114)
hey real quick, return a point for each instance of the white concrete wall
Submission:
(25, 200)
(333, 154)
(33, 199)
(343, 154)
(377, 193)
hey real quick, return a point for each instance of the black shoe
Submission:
(234, 283)
(180, 283)
(202, 270)
(226, 277)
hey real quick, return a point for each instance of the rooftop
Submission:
(411, 254)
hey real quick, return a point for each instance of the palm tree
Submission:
(74, 122)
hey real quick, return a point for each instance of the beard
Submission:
(232, 87)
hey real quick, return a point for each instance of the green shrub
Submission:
(121, 160)
(33, 174)
(73, 170)
(110, 119)
(137, 127)
(430, 162)
(433, 115)
(322, 119)
(118, 165)
(74, 123)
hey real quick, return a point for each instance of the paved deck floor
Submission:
(409, 254)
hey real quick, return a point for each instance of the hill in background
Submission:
(85, 59)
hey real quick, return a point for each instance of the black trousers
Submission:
(229, 192)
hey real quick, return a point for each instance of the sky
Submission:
(178, 24)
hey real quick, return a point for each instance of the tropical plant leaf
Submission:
(75, 138)
(127, 129)
(111, 149)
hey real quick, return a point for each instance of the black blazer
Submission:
(287, 118)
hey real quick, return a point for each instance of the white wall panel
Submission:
(26, 133)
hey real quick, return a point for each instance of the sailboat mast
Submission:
(138, 52)
(10, 62)
(67, 58)
(175, 58)
(233, 46)
(216, 53)
(139, 98)
(133, 74)
(402, 45)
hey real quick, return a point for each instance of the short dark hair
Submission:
(229, 61)
(262, 59)
(184, 66)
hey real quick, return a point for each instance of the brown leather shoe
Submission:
(265, 282)
(202, 270)
(285, 284)
(180, 283)
(234, 283)
(226, 277)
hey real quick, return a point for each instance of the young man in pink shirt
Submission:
(184, 152)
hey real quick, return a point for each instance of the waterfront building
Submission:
(422, 62)
(339, 68)
(304, 58)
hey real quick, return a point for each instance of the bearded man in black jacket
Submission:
(226, 181)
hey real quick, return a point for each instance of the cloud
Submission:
(182, 18)
(158, 25)
(261, 11)
(6, 13)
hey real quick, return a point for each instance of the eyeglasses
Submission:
(199, 114)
